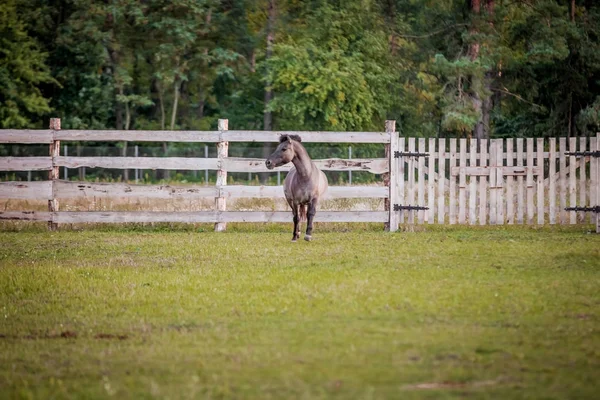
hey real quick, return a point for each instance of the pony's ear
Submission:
(283, 138)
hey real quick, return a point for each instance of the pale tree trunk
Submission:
(166, 172)
(127, 122)
(161, 101)
(201, 92)
(391, 18)
(175, 104)
(268, 116)
(482, 102)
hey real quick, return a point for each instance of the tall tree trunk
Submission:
(201, 104)
(391, 18)
(166, 172)
(127, 121)
(481, 100)
(201, 91)
(268, 115)
(175, 104)
(161, 102)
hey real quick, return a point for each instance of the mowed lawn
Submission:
(503, 313)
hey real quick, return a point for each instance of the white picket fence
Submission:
(499, 181)
(450, 181)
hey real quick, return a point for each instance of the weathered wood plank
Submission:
(452, 191)
(501, 203)
(572, 180)
(139, 136)
(171, 163)
(487, 170)
(309, 137)
(430, 214)
(421, 182)
(473, 183)
(390, 127)
(25, 216)
(596, 181)
(462, 183)
(26, 136)
(529, 178)
(510, 196)
(25, 163)
(582, 179)
(229, 164)
(520, 184)
(196, 217)
(401, 179)
(374, 166)
(441, 199)
(563, 179)
(219, 135)
(493, 176)
(66, 189)
(222, 153)
(594, 177)
(552, 182)
(411, 180)
(26, 190)
(53, 174)
(540, 182)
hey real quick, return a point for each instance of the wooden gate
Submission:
(498, 181)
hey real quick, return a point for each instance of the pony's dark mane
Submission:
(283, 138)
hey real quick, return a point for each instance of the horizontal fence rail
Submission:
(49, 136)
(74, 217)
(231, 164)
(47, 190)
(426, 181)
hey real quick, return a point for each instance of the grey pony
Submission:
(303, 186)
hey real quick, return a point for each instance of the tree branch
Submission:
(505, 91)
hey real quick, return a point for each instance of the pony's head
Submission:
(284, 153)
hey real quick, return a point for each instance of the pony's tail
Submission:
(302, 212)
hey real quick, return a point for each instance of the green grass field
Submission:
(505, 313)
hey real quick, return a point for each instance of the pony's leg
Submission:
(312, 210)
(296, 233)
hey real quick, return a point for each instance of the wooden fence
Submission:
(55, 190)
(444, 181)
(499, 181)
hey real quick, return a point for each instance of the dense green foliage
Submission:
(483, 68)
(449, 313)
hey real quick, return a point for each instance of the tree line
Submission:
(450, 68)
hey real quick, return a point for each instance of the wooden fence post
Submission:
(597, 182)
(54, 172)
(392, 177)
(222, 153)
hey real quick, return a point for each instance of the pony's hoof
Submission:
(294, 240)
(308, 238)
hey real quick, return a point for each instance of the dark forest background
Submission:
(478, 68)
